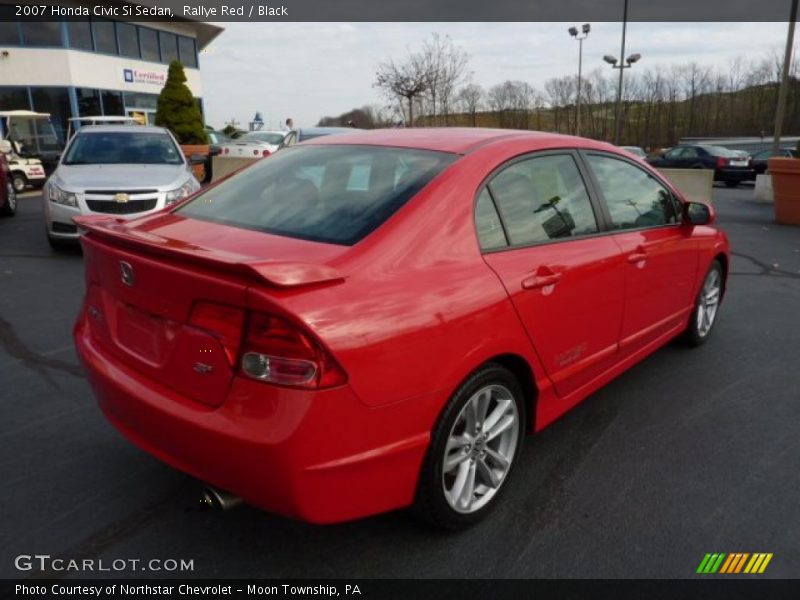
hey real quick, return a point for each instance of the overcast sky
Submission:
(308, 70)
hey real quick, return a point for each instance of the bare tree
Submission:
(408, 80)
(470, 99)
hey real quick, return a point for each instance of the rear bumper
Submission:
(321, 457)
(733, 174)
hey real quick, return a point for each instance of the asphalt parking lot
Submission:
(692, 451)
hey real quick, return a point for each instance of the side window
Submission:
(633, 196)
(542, 199)
(690, 153)
(674, 153)
(490, 230)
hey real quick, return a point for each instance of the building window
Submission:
(128, 40)
(53, 100)
(105, 38)
(188, 52)
(112, 103)
(80, 35)
(88, 102)
(14, 98)
(169, 46)
(140, 101)
(41, 33)
(148, 42)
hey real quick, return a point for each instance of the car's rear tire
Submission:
(20, 182)
(706, 306)
(473, 449)
(10, 207)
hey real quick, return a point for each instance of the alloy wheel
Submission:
(480, 448)
(708, 303)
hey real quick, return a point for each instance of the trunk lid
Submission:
(145, 278)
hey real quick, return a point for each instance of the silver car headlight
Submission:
(59, 196)
(180, 193)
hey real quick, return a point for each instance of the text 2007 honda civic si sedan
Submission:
(377, 320)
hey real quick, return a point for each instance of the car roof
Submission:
(457, 140)
(121, 128)
(265, 131)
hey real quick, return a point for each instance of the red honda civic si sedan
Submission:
(376, 320)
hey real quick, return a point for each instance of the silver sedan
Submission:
(120, 170)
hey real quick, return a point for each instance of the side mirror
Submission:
(698, 213)
(5, 147)
(197, 159)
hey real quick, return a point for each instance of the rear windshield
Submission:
(332, 194)
(122, 147)
(720, 151)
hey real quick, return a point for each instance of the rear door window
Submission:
(332, 194)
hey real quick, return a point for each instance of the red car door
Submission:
(537, 227)
(660, 254)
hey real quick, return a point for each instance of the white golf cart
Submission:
(30, 139)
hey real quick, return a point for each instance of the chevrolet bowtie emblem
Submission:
(121, 198)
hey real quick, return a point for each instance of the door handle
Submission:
(541, 280)
(638, 256)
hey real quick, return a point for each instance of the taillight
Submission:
(225, 150)
(721, 162)
(265, 153)
(223, 322)
(277, 351)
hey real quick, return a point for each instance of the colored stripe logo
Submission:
(734, 563)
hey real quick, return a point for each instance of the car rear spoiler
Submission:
(282, 274)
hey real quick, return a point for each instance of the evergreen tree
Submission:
(177, 110)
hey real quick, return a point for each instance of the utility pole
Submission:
(618, 119)
(784, 87)
(573, 31)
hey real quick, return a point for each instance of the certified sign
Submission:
(144, 77)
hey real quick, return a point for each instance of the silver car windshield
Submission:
(122, 147)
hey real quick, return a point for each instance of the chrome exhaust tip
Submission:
(213, 498)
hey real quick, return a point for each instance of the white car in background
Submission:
(257, 144)
(115, 170)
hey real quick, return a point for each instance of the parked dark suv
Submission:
(759, 160)
(728, 166)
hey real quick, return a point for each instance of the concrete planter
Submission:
(763, 192)
(188, 150)
(786, 186)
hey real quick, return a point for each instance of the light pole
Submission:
(573, 31)
(787, 61)
(628, 62)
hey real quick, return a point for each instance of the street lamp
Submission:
(573, 31)
(622, 66)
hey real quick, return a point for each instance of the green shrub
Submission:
(177, 110)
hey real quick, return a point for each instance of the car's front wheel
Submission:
(706, 306)
(473, 450)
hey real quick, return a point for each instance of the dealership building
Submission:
(95, 66)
